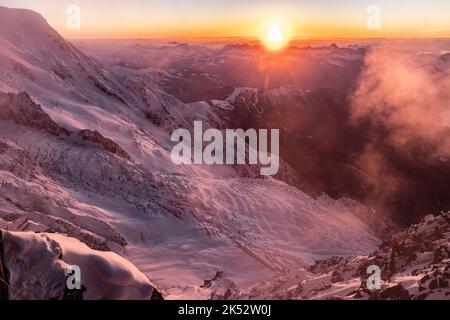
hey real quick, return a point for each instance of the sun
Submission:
(275, 33)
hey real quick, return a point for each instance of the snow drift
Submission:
(36, 267)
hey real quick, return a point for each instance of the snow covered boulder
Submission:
(41, 266)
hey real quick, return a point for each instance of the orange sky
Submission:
(242, 18)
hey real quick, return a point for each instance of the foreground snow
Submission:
(35, 266)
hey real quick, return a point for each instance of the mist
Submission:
(401, 101)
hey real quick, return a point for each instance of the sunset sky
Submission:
(241, 18)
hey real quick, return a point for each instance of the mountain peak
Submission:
(20, 16)
(23, 26)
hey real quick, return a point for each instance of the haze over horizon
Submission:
(210, 19)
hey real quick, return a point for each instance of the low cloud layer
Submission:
(403, 99)
(409, 93)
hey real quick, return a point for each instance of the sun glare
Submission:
(275, 33)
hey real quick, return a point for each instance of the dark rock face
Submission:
(107, 144)
(22, 110)
(156, 295)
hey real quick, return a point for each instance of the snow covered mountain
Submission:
(85, 154)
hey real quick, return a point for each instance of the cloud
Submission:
(402, 99)
(409, 93)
